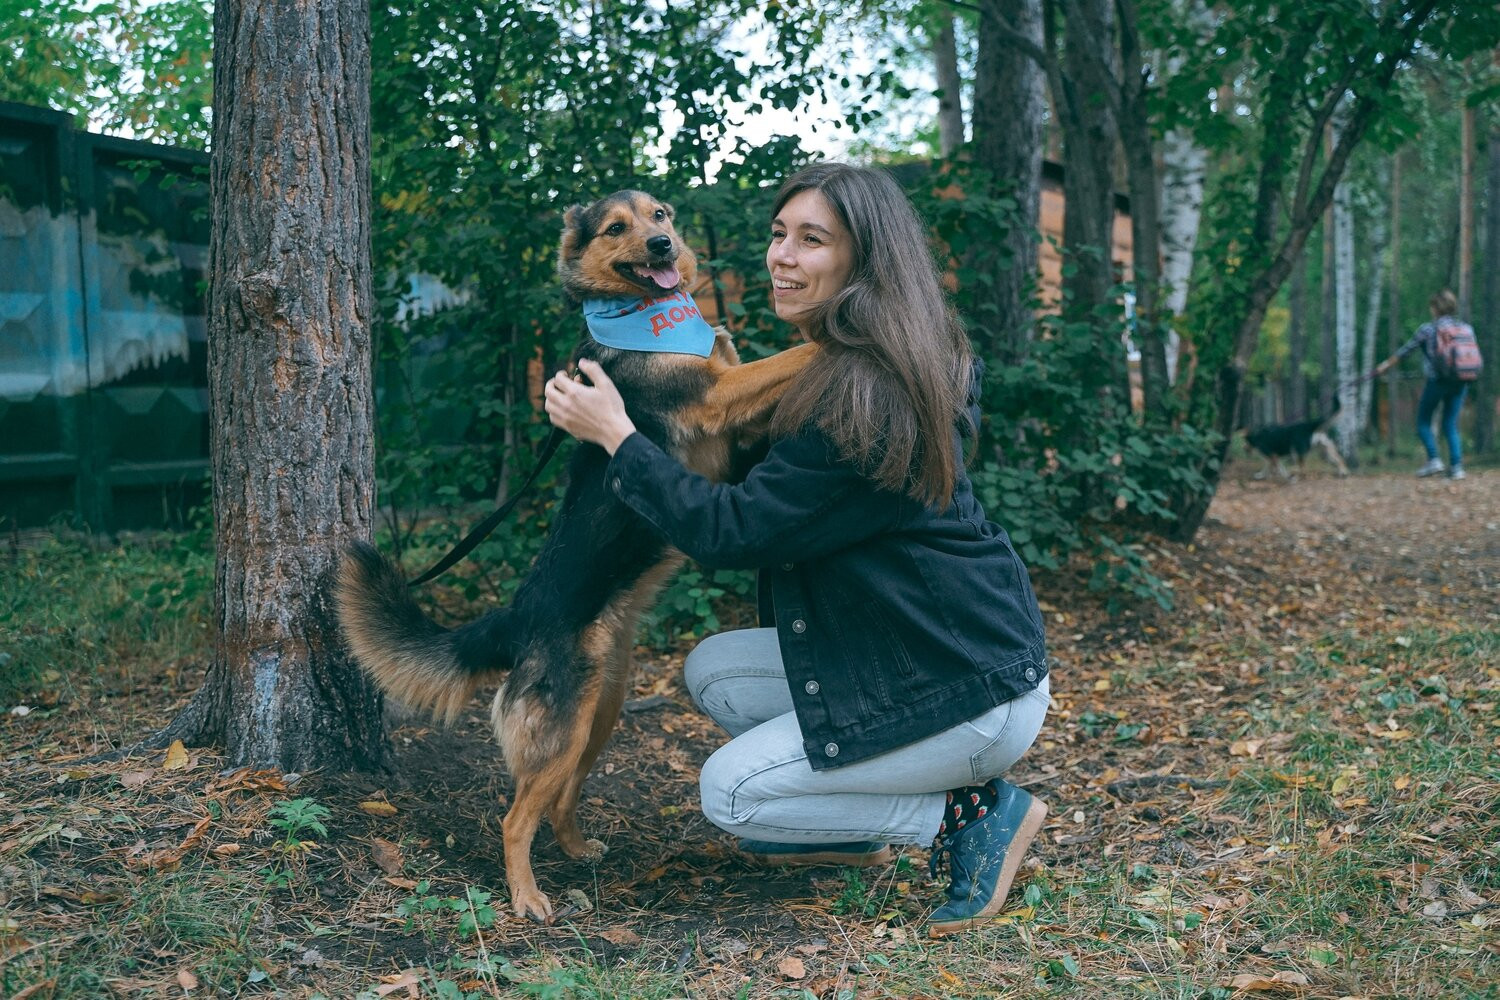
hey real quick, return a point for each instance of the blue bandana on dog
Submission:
(671, 323)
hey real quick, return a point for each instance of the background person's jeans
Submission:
(1451, 395)
(760, 786)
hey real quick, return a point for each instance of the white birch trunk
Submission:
(1344, 334)
(1183, 166)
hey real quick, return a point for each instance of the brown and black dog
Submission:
(562, 647)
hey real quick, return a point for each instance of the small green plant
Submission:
(294, 819)
(474, 908)
(854, 899)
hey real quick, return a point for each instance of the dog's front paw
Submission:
(532, 904)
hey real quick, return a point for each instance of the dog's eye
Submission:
(616, 229)
(661, 213)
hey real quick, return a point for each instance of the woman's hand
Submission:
(593, 413)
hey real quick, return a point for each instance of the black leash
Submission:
(483, 528)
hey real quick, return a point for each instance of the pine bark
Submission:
(1009, 110)
(290, 384)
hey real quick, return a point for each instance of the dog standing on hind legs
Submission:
(562, 647)
(1275, 442)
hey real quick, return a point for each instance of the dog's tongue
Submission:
(665, 277)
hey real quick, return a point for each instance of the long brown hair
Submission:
(893, 373)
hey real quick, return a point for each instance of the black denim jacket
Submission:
(895, 621)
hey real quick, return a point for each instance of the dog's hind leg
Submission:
(1330, 452)
(607, 645)
(541, 756)
(563, 812)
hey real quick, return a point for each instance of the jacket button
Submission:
(799, 626)
(615, 484)
(812, 687)
(1031, 674)
(831, 750)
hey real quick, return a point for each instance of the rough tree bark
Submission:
(1085, 96)
(1145, 210)
(1008, 114)
(290, 383)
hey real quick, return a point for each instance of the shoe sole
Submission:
(880, 857)
(1031, 825)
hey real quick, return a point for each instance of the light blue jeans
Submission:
(760, 786)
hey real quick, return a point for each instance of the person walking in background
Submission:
(1447, 381)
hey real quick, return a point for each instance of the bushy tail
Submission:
(414, 660)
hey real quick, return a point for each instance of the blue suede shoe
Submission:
(857, 855)
(983, 859)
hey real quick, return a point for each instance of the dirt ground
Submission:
(1276, 564)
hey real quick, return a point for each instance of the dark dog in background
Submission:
(562, 647)
(1275, 442)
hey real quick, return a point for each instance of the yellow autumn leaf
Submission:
(375, 807)
(177, 757)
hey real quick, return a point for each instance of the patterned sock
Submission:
(965, 805)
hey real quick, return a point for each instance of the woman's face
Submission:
(810, 257)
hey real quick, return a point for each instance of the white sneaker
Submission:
(1457, 472)
(1433, 467)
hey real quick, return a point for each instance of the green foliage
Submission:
(473, 907)
(294, 819)
(142, 65)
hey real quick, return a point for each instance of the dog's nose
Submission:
(659, 244)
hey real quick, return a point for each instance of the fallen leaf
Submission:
(177, 757)
(1279, 983)
(622, 937)
(387, 856)
(579, 899)
(408, 981)
(187, 980)
(375, 807)
(132, 780)
(791, 967)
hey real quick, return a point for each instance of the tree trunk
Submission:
(1466, 217)
(1329, 320)
(1145, 213)
(1183, 167)
(1393, 318)
(1487, 321)
(1009, 109)
(1365, 393)
(950, 86)
(1085, 89)
(1345, 329)
(1296, 335)
(290, 383)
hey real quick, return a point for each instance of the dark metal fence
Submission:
(103, 350)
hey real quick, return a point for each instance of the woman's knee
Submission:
(726, 655)
(716, 785)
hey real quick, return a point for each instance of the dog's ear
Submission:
(574, 235)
